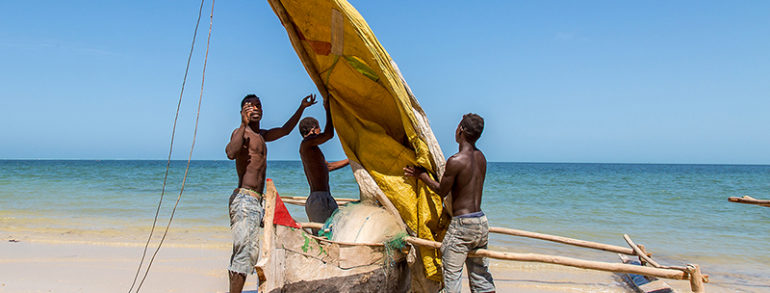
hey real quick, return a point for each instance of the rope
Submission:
(192, 147)
(171, 147)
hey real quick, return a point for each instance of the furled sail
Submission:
(379, 122)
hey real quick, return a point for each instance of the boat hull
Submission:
(299, 262)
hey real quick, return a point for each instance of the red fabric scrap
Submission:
(282, 216)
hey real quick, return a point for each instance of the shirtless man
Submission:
(468, 230)
(320, 204)
(247, 147)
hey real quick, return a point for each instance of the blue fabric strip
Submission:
(472, 215)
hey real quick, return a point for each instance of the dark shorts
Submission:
(320, 205)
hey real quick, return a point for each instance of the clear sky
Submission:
(556, 81)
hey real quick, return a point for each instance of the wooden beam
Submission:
(565, 261)
(305, 198)
(267, 219)
(563, 240)
(311, 225)
(301, 202)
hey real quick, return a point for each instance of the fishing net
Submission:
(365, 223)
(361, 223)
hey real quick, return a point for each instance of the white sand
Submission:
(72, 265)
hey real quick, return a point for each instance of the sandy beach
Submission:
(30, 266)
(71, 265)
(86, 235)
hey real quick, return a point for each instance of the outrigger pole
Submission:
(690, 272)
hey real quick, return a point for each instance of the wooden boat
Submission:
(643, 284)
(292, 260)
(749, 200)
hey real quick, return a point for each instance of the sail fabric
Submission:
(379, 122)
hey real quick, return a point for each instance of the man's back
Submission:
(314, 163)
(469, 183)
(469, 229)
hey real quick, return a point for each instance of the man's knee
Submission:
(236, 275)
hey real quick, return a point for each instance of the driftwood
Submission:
(749, 200)
(563, 240)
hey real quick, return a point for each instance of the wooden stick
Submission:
(643, 257)
(311, 225)
(302, 202)
(565, 261)
(305, 198)
(644, 252)
(638, 251)
(696, 279)
(563, 240)
(749, 200)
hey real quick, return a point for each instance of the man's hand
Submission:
(413, 171)
(246, 113)
(308, 101)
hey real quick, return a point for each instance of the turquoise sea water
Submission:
(680, 212)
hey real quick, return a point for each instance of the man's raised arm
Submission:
(278, 132)
(328, 130)
(236, 143)
(237, 139)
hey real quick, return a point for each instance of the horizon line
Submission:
(297, 160)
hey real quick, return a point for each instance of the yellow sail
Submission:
(379, 122)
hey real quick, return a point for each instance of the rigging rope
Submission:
(192, 147)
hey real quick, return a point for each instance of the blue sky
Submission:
(557, 81)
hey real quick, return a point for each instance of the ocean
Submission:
(679, 212)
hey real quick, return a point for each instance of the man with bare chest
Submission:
(320, 204)
(247, 147)
(468, 230)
